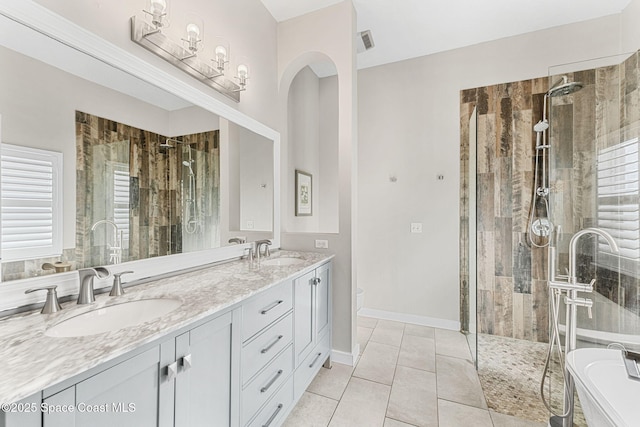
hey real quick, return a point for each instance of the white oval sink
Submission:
(281, 261)
(113, 317)
(607, 395)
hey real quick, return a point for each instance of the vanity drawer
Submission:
(275, 410)
(258, 352)
(263, 386)
(258, 313)
(311, 365)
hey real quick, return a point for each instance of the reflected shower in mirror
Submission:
(155, 195)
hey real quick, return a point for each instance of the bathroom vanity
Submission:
(239, 350)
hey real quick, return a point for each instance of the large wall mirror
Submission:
(146, 173)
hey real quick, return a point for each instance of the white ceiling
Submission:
(404, 29)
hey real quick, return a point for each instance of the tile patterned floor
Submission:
(407, 376)
(510, 372)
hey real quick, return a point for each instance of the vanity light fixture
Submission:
(185, 54)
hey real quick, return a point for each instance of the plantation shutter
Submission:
(121, 201)
(618, 203)
(31, 196)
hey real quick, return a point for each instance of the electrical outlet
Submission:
(249, 225)
(322, 244)
(416, 227)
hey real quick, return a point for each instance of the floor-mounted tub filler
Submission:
(609, 396)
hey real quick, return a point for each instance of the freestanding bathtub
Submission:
(607, 395)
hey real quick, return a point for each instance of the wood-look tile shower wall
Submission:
(156, 193)
(512, 295)
(511, 274)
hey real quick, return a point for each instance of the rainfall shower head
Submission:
(165, 144)
(565, 89)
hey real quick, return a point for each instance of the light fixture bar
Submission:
(154, 41)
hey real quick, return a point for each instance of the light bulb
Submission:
(221, 52)
(193, 31)
(243, 71)
(158, 6)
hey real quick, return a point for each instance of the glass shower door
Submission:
(594, 176)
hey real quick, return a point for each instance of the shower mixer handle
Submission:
(581, 302)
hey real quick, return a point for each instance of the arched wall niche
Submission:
(309, 89)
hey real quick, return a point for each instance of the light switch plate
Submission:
(416, 227)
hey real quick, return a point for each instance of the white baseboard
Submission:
(342, 357)
(410, 318)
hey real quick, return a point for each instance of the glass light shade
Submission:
(159, 11)
(243, 71)
(158, 6)
(221, 53)
(195, 32)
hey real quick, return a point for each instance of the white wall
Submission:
(328, 187)
(409, 127)
(302, 41)
(246, 24)
(629, 28)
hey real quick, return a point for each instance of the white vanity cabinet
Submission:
(312, 324)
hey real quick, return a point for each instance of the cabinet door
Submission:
(124, 395)
(322, 304)
(203, 383)
(25, 413)
(303, 315)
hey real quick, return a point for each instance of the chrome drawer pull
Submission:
(271, 307)
(273, 380)
(273, 416)
(315, 360)
(267, 348)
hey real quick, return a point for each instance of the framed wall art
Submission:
(303, 193)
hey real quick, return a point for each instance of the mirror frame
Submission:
(42, 20)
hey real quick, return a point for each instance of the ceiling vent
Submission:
(365, 41)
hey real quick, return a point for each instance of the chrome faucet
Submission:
(237, 240)
(115, 257)
(266, 243)
(572, 287)
(86, 294)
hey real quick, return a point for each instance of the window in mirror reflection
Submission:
(141, 194)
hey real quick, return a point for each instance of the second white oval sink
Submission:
(113, 317)
(281, 261)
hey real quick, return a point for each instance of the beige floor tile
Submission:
(367, 322)
(390, 422)
(363, 337)
(331, 382)
(452, 343)
(387, 336)
(312, 410)
(420, 331)
(413, 397)
(363, 404)
(451, 414)
(377, 363)
(458, 381)
(418, 352)
(503, 420)
(390, 324)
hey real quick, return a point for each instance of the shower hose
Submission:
(554, 299)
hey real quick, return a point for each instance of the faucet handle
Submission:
(51, 304)
(116, 289)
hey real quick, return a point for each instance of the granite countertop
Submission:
(33, 361)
